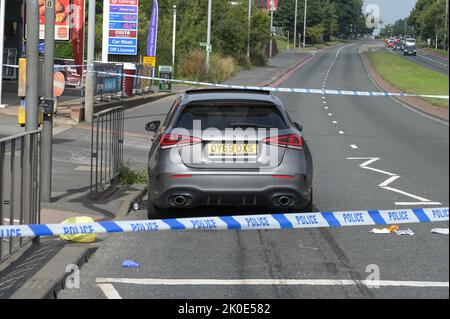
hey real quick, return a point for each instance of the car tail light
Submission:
(283, 176)
(291, 141)
(170, 140)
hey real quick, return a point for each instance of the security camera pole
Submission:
(47, 126)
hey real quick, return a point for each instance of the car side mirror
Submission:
(152, 126)
(298, 126)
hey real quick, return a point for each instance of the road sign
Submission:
(203, 44)
(59, 84)
(122, 27)
(150, 60)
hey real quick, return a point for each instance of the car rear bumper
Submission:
(230, 190)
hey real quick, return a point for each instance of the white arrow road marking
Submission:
(394, 177)
(354, 146)
(109, 291)
(273, 282)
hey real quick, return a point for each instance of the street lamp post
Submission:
(295, 25)
(208, 36)
(446, 25)
(304, 24)
(174, 36)
(249, 26)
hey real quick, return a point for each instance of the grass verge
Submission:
(409, 76)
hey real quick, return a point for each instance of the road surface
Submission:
(369, 153)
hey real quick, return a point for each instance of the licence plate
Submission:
(231, 149)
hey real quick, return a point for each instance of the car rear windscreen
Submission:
(231, 116)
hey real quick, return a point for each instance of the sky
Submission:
(392, 10)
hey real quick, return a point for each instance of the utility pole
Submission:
(32, 50)
(89, 105)
(249, 26)
(208, 36)
(31, 104)
(304, 24)
(271, 26)
(174, 37)
(295, 25)
(47, 127)
(406, 25)
(2, 33)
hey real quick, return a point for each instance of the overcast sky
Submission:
(392, 10)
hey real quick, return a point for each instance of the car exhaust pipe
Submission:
(284, 201)
(180, 200)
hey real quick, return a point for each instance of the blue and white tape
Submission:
(283, 90)
(247, 222)
(268, 88)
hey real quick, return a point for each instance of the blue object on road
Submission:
(130, 264)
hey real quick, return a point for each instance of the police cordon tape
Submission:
(244, 222)
(279, 89)
(271, 89)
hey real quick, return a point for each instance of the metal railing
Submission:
(20, 201)
(106, 147)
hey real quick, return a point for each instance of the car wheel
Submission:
(154, 212)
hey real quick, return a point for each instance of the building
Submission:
(14, 34)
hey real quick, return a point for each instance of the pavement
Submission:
(409, 155)
(71, 166)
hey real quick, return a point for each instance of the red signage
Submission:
(124, 2)
(122, 34)
(275, 5)
(62, 19)
(78, 34)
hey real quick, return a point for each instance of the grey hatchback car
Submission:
(228, 147)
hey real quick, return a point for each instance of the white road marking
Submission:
(423, 201)
(324, 102)
(326, 107)
(272, 282)
(406, 194)
(388, 181)
(109, 291)
(341, 132)
(335, 122)
(330, 114)
(323, 97)
(354, 146)
(370, 161)
(417, 203)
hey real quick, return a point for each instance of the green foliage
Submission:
(426, 20)
(127, 176)
(63, 50)
(228, 31)
(325, 18)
